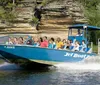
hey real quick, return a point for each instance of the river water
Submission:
(63, 74)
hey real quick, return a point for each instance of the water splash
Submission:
(79, 66)
(8, 66)
(90, 63)
(95, 59)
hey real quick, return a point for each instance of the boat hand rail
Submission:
(42, 48)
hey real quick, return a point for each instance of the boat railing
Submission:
(5, 38)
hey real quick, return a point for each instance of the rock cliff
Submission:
(55, 15)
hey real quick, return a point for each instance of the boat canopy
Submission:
(84, 26)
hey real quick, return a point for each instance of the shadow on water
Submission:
(13, 67)
(11, 74)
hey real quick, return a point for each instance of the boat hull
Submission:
(25, 54)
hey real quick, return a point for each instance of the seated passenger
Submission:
(44, 43)
(59, 43)
(72, 43)
(64, 43)
(9, 41)
(20, 40)
(76, 46)
(15, 40)
(52, 43)
(40, 40)
(29, 40)
(36, 42)
(68, 44)
(83, 45)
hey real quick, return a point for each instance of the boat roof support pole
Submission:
(86, 38)
(99, 46)
(92, 46)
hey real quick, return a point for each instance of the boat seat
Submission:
(88, 50)
(35, 45)
(54, 47)
(64, 47)
(50, 46)
(71, 48)
(80, 48)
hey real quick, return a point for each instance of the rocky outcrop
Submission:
(61, 14)
(55, 15)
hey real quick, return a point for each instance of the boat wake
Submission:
(90, 63)
(8, 66)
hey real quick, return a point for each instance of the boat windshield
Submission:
(75, 32)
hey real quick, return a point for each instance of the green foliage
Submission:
(93, 16)
(89, 3)
(44, 2)
(7, 12)
(92, 13)
(2, 13)
(35, 20)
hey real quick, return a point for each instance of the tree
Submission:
(7, 12)
(92, 14)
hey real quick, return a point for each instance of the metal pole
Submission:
(85, 27)
(99, 46)
(92, 46)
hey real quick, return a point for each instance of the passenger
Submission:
(44, 43)
(40, 39)
(76, 46)
(71, 43)
(59, 43)
(80, 34)
(53, 41)
(9, 41)
(83, 45)
(68, 44)
(15, 40)
(36, 42)
(29, 40)
(25, 38)
(65, 43)
(20, 40)
(50, 45)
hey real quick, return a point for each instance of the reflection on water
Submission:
(63, 74)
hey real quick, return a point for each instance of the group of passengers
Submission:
(44, 42)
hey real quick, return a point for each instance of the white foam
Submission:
(90, 63)
(8, 66)
(4, 64)
(78, 66)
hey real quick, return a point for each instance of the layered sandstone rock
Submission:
(55, 15)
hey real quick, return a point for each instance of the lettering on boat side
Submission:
(75, 55)
(9, 47)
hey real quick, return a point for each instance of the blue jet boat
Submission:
(31, 56)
